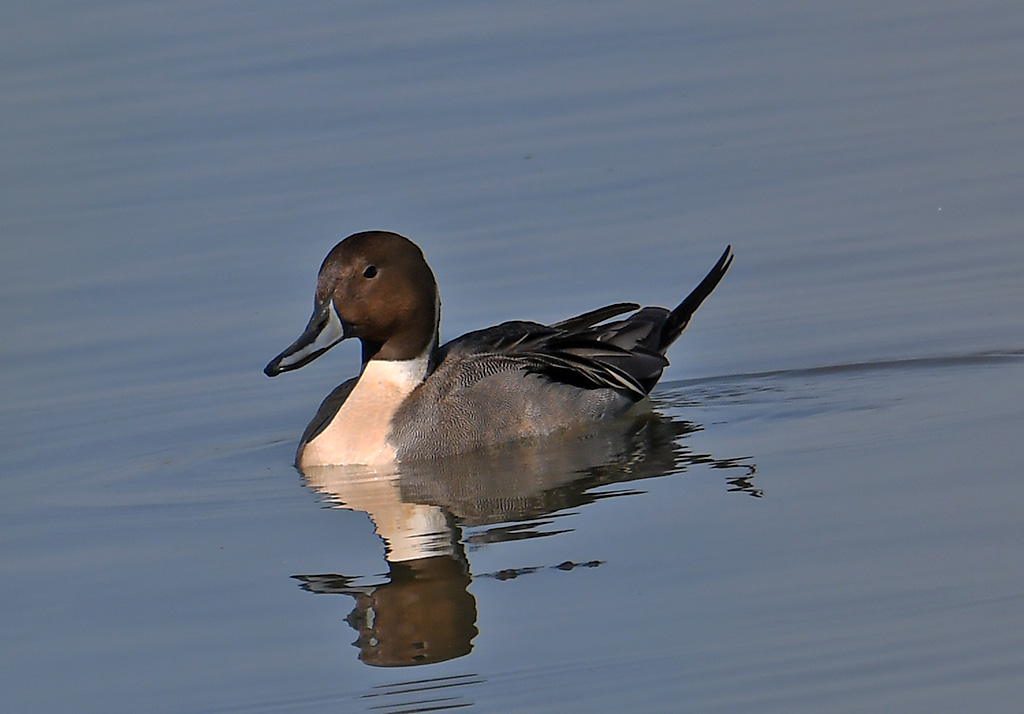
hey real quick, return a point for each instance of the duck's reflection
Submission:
(423, 612)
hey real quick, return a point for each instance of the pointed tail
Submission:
(679, 318)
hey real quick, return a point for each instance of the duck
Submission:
(415, 399)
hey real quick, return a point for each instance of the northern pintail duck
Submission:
(414, 399)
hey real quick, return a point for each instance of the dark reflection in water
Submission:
(422, 612)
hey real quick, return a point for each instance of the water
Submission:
(826, 515)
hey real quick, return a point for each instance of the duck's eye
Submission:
(371, 270)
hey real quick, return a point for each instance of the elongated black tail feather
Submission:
(679, 318)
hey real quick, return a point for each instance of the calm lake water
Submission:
(825, 515)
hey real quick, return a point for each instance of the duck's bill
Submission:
(323, 332)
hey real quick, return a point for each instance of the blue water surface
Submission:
(825, 515)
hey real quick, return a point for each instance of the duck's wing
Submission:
(582, 360)
(589, 319)
(599, 356)
(627, 355)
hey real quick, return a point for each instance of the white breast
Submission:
(358, 432)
